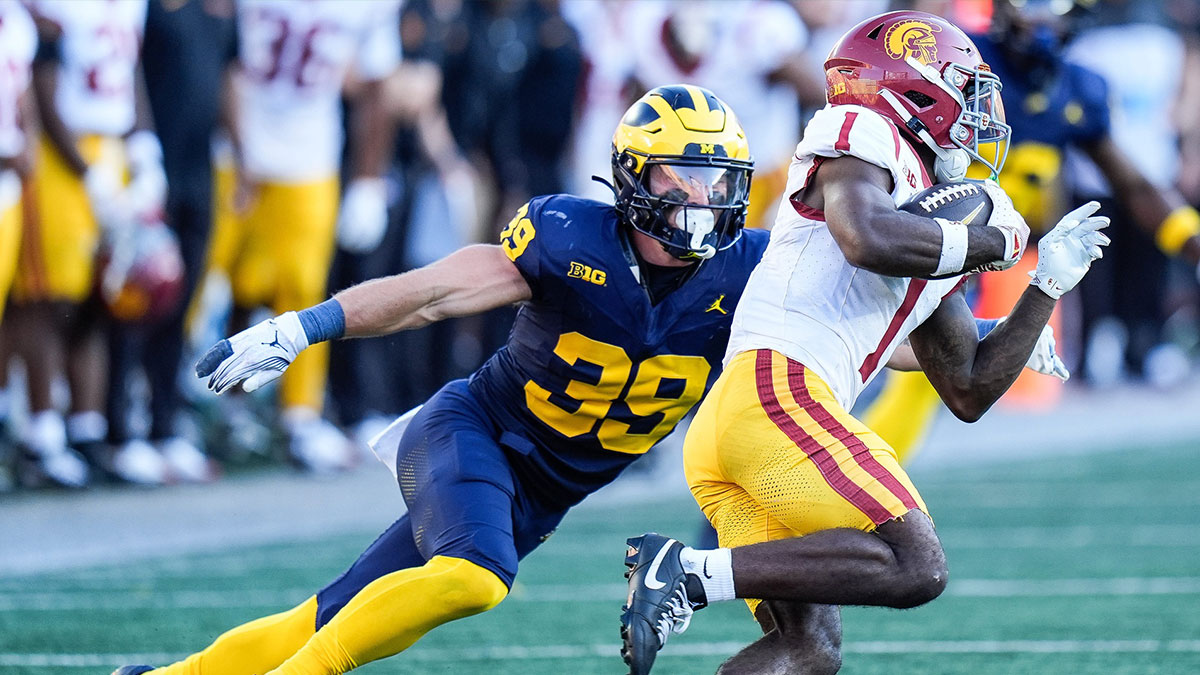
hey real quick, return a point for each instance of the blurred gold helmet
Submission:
(681, 168)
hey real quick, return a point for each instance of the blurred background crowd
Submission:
(172, 170)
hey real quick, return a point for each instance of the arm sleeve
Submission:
(856, 131)
(525, 242)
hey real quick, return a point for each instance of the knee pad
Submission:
(466, 588)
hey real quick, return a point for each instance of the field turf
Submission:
(1082, 564)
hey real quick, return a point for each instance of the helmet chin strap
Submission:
(950, 164)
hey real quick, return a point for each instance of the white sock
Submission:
(715, 569)
(87, 427)
(46, 434)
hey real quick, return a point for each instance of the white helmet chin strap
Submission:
(951, 163)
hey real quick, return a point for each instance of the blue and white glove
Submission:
(255, 356)
(1067, 252)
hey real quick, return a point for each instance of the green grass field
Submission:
(1086, 564)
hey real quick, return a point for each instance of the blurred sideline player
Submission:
(186, 50)
(18, 44)
(277, 204)
(813, 506)
(750, 54)
(620, 334)
(86, 80)
(1055, 104)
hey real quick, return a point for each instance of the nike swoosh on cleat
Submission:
(705, 570)
(651, 580)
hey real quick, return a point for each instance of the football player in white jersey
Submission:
(811, 507)
(278, 202)
(18, 43)
(86, 82)
(747, 51)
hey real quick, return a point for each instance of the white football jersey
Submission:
(804, 299)
(295, 57)
(745, 41)
(99, 57)
(18, 42)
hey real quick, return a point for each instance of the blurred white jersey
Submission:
(97, 71)
(295, 57)
(742, 42)
(804, 299)
(18, 42)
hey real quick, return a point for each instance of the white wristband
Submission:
(954, 247)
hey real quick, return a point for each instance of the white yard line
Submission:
(675, 650)
(136, 599)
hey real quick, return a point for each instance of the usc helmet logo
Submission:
(912, 38)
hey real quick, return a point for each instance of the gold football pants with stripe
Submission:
(277, 254)
(10, 243)
(58, 248)
(772, 455)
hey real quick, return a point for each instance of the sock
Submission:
(715, 569)
(46, 434)
(254, 647)
(393, 612)
(88, 426)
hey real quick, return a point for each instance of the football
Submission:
(965, 201)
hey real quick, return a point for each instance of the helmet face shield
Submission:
(981, 129)
(693, 207)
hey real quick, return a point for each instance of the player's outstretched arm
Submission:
(971, 373)
(874, 235)
(471, 280)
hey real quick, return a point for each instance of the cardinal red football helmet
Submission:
(924, 74)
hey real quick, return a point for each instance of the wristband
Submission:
(326, 321)
(954, 247)
(1176, 229)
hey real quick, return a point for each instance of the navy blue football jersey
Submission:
(593, 374)
(1072, 109)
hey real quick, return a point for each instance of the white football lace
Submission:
(676, 615)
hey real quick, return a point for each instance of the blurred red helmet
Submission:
(924, 74)
(144, 282)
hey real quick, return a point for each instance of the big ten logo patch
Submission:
(581, 271)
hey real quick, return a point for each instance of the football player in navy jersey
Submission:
(625, 320)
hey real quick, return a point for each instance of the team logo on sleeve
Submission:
(912, 38)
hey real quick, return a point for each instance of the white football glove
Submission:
(103, 185)
(1010, 223)
(1066, 252)
(147, 190)
(363, 218)
(255, 356)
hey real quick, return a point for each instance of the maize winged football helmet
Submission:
(693, 141)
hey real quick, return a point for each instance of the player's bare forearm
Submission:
(373, 132)
(874, 235)
(469, 281)
(1148, 205)
(45, 80)
(972, 374)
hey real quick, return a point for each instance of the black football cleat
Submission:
(661, 599)
(132, 670)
